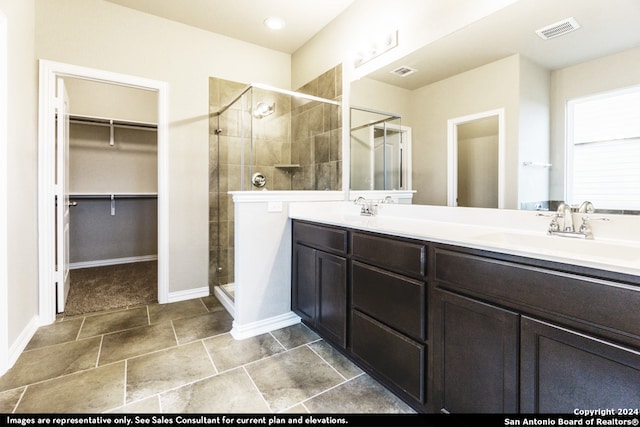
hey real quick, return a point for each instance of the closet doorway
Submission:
(107, 167)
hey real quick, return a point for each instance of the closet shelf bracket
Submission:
(113, 205)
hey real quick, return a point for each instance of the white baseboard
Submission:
(112, 261)
(189, 294)
(253, 329)
(18, 346)
(225, 300)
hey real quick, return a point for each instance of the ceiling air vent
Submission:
(403, 71)
(558, 29)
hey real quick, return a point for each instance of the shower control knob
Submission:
(259, 180)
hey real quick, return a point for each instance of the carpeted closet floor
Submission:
(113, 286)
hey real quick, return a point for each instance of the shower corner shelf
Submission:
(287, 166)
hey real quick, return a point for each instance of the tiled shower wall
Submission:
(297, 148)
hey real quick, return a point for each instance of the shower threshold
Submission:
(225, 293)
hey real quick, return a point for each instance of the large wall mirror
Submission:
(529, 59)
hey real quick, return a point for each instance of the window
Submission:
(603, 150)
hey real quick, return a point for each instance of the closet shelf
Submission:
(115, 195)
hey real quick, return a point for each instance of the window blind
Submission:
(604, 154)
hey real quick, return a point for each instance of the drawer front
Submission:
(395, 300)
(597, 305)
(400, 256)
(397, 358)
(321, 237)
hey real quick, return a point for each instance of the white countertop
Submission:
(615, 247)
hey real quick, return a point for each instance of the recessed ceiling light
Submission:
(274, 23)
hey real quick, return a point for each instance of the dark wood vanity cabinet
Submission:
(367, 294)
(462, 330)
(319, 271)
(518, 335)
(389, 311)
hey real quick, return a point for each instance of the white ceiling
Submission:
(607, 27)
(243, 19)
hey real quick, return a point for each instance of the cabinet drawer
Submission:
(395, 357)
(592, 304)
(317, 236)
(401, 256)
(390, 298)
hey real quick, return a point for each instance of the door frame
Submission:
(4, 195)
(405, 141)
(49, 72)
(452, 154)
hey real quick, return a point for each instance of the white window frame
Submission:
(570, 137)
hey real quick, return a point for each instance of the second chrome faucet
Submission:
(562, 221)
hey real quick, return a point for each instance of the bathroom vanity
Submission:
(470, 323)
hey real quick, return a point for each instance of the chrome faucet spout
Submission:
(564, 212)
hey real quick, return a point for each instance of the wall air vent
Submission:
(558, 29)
(403, 71)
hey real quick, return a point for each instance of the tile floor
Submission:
(180, 358)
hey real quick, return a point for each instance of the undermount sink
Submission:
(555, 244)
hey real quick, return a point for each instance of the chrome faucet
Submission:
(564, 212)
(368, 207)
(567, 229)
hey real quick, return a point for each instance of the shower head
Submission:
(263, 109)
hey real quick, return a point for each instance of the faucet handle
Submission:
(553, 225)
(585, 227)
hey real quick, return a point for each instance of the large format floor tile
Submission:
(50, 362)
(229, 392)
(137, 341)
(289, 378)
(360, 395)
(93, 391)
(166, 369)
(180, 357)
(229, 353)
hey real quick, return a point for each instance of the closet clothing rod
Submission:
(113, 195)
(99, 121)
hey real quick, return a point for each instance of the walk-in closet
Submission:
(113, 185)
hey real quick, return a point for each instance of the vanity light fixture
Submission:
(376, 48)
(274, 23)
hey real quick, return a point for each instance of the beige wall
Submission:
(485, 88)
(102, 35)
(21, 152)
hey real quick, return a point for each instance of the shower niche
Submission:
(267, 139)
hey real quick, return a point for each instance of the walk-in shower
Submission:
(265, 139)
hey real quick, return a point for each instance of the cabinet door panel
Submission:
(475, 356)
(397, 358)
(563, 370)
(303, 295)
(393, 299)
(332, 296)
